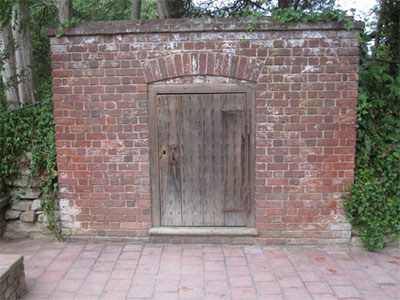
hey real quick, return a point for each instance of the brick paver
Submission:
(100, 270)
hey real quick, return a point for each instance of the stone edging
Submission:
(12, 276)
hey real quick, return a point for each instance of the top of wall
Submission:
(192, 25)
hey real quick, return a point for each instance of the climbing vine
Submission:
(287, 15)
(373, 205)
(31, 129)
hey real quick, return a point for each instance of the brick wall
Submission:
(306, 95)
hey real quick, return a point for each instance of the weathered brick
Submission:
(306, 89)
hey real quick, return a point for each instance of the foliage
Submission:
(41, 18)
(373, 205)
(102, 10)
(31, 130)
(239, 8)
(6, 7)
(105, 10)
(288, 15)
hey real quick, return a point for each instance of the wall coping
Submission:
(192, 25)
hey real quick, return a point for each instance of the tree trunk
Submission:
(8, 73)
(64, 10)
(135, 9)
(381, 19)
(296, 4)
(163, 11)
(23, 53)
(283, 3)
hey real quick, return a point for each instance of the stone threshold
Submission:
(204, 231)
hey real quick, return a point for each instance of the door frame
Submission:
(154, 91)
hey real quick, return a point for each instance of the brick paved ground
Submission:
(90, 270)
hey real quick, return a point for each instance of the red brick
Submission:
(306, 102)
(241, 68)
(155, 70)
(163, 67)
(233, 66)
(308, 211)
(170, 65)
(178, 65)
(86, 174)
(218, 66)
(187, 64)
(202, 63)
(195, 63)
(210, 64)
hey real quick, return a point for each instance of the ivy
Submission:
(288, 15)
(31, 129)
(373, 205)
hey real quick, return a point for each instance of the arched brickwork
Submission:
(202, 63)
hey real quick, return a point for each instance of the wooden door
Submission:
(203, 159)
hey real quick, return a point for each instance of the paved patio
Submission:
(91, 270)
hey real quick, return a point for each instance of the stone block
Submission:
(45, 230)
(22, 205)
(21, 227)
(341, 226)
(40, 216)
(27, 193)
(36, 205)
(25, 181)
(346, 234)
(28, 217)
(355, 241)
(25, 171)
(12, 214)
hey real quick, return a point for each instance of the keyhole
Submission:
(164, 152)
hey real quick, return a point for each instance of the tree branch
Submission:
(43, 3)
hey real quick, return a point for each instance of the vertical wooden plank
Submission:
(154, 168)
(234, 121)
(251, 109)
(209, 186)
(213, 187)
(169, 161)
(192, 141)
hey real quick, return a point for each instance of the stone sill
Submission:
(204, 231)
(192, 25)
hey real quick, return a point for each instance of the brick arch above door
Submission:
(202, 63)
